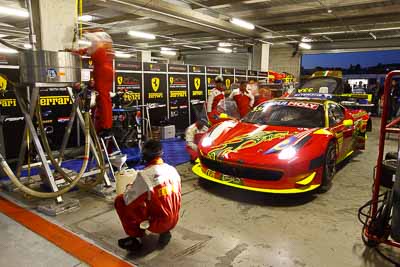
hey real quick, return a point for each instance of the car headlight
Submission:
(287, 153)
(206, 141)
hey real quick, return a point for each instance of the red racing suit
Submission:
(212, 103)
(155, 195)
(244, 101)
(103, 74)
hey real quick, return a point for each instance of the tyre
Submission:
(329, 168)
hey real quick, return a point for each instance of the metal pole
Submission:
(32, 36)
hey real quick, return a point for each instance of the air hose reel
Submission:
(47, 69)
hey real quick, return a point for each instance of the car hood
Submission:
(232, 140)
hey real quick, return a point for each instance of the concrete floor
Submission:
(223, 226)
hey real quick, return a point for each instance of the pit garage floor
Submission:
(223, 226)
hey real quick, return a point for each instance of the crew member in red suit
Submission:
(216, 95)
(102, 55)
(243, 98)
(193, 135)
(264, 94)
(151, 202)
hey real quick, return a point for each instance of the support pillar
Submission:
(260, 57)
(54, 23)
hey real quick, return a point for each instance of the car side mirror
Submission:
(348, 123)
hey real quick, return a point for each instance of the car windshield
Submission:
(290, 113)
(319, 85)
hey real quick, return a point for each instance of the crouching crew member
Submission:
(193, 134)
(151, 202)
(243, 98)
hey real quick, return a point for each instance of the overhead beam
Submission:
(163, 11)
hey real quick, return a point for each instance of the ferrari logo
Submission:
(155, 83)
(90, 62)
(171, 80)
(120, 79)
(243, 141)
(3, 84)
(209, 80)
(228, 83)
(197, 83)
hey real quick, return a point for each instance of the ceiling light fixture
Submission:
(224, 44)
(23, 13)
(220, 6)
(85, 18)
(306, 39)
(305, 45)
(242, 23)
(122, 55)
(5, 50)
(194, 47)
(255, 1)
(143, 35)
(329, 11)
(224, 49)
(27, 46)
(168, 52)
(167, 49)
(372, 35)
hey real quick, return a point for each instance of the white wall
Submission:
(281, 59)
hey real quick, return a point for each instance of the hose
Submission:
(64, 190)
(88, 132)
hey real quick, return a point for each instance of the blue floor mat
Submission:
(174, 154)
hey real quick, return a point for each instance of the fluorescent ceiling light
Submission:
(329, 11)
(255, 1)
(242, 23)
(372, 35)
(224, 44)
(305, 45)
(306, 39)
(85, 18)
(220, 6)
(194, 47)
(27, 46)
(84, 42)
(143, 35)
(122, 55)
(5, 50)
(23, 13)
(224, 50)
(168, 52)
(167, 49)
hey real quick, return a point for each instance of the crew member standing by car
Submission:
(152, 201)
(102, 55)
(216, 95)
(192, 136)
(243, 98)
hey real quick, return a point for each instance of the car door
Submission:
(343, 134)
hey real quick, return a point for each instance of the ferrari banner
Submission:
(130, 83)
(178, 100)
(197, 86)
(155, 95)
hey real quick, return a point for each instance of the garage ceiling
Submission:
(189, 24)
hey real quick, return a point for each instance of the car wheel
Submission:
(329, 168)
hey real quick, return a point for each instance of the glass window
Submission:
(336, 114)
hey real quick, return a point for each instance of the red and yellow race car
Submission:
(289, 145)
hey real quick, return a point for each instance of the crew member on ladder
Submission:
(216, 95)
(243, 98)
(151, 202)
(101, 54)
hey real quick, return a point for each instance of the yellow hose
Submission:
(56, 164)
(64, 190)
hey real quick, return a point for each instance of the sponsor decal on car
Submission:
(244, 141)
(63, 119)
